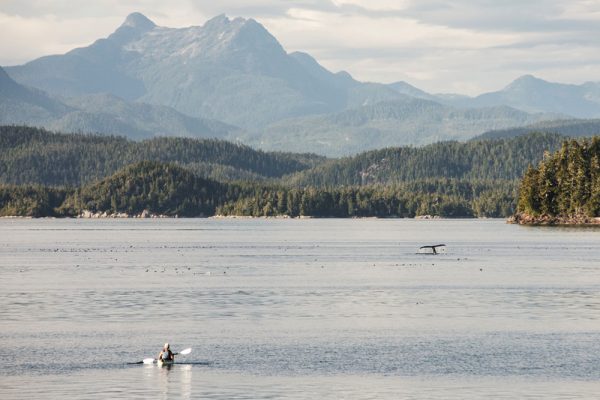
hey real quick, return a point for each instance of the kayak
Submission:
(161, 362)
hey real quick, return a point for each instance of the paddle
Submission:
(184, 351)
(152, 360)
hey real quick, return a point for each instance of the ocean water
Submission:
(302, 309)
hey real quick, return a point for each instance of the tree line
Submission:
(503, 159)
(170, 190)
(44, 173)
(36, 156)
(565, 183)
(440, 197)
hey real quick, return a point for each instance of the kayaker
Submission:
(166, 354)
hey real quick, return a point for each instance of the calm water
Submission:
(302, 309)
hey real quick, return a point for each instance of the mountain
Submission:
(145, 80)
(409, 90)
(108, 114)
(20, 104)
(526, 93)
(101, 113)
(92, 69)
(389, 123)
(229, 70)
(532, 94)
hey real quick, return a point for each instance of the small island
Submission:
(564, 189)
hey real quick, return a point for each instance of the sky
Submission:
(441, 46)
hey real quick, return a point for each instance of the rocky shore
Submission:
(526, 219)
(143, 214)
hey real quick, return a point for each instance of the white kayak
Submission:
(160, 363)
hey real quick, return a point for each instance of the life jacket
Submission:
(166, 355)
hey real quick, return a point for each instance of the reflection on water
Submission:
(174, 384)
(169, 383)
(299, 309)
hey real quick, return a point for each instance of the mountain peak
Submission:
(236, 34)
(223, 22)
(528, 78)
(135, 25)
(138, 21)
(406, 88)
(219, 20)
(525, 81)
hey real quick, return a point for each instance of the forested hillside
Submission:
(569, 127)
(166, 189)
(505, 159)
(445, 198)
(31, 201)
(36, 156)
(564, 187)
(65, 175)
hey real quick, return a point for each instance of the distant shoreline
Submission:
(104, 215)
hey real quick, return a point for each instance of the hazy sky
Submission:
(465, 46)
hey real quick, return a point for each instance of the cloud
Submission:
(260, 8)
(439, 45)
(41, 27)
(32, 37)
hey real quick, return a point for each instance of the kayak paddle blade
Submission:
(186, 351)
(148, 360)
